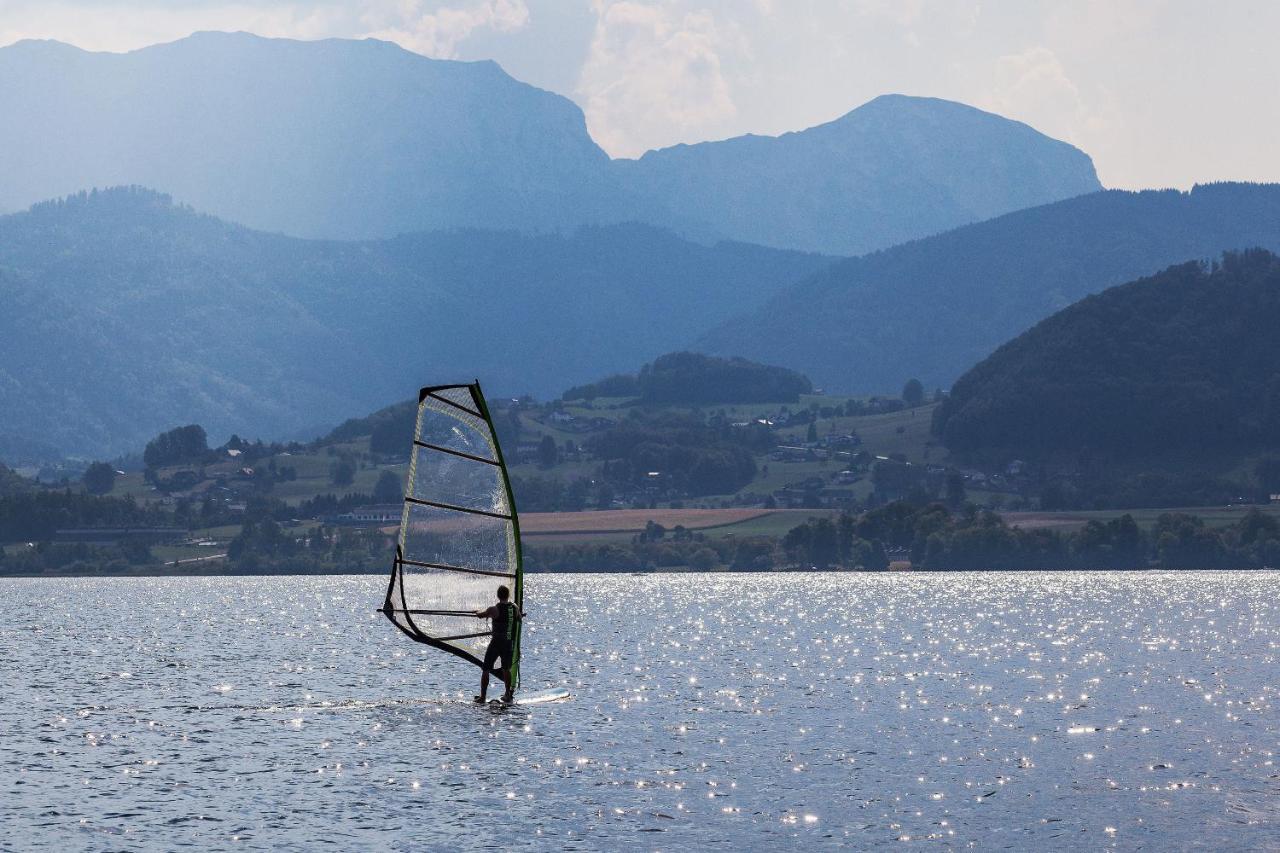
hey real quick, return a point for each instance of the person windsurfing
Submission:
(505, 615)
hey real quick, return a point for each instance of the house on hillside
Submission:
(373, 515)
(833, 497)
(795, 453)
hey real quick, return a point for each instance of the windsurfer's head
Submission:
(503, 593)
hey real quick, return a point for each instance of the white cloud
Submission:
(1034, 76)
(439, 32)
(1034, 86)
(652, 73)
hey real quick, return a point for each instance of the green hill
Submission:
(1188, 358)
(1163, 391)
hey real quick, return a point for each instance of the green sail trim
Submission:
(459, 531)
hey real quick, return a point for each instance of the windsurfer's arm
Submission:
(487, 613)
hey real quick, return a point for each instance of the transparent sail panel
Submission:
(458, 538)
(460, 396)
(450, 428)
(448, 598)
(459, 481)
(442, 537)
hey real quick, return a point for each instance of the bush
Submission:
(704, 560)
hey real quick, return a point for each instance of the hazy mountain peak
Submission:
(334, 138)
(896, 168)
(354, 139)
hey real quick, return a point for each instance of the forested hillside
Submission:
(126, 314)
(934, 308)
(696, 379)
(1188, 359)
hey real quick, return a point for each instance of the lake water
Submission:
(994, 711)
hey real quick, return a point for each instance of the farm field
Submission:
(619, 525)
(631, 520)
(1068, 521)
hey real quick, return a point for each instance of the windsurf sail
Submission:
(459, 534)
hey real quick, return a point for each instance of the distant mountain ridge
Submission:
(362, 139)
(934, 307)
(126, 314)
(893, 169)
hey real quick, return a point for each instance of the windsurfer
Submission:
(505, 615)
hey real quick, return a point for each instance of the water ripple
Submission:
(734, 711)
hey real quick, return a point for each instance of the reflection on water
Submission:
(985, 710)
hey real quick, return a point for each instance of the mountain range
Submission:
(932, 308)
(127, 314)
(361, 139)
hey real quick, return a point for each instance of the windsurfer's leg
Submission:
(490, 657)
(507, 695)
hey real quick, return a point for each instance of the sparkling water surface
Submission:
(985, 710)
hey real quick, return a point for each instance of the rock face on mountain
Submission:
(894, 169)
(361, 139)
(125, 315)
(336, 138)
(933, 308)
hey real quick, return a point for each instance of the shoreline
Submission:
(662, 571)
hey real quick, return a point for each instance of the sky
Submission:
(1161, 93)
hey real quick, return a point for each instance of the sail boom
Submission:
(418, 612)
(463, 636)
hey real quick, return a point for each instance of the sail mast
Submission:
(517, 593)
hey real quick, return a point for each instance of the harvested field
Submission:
(630, 520)
(1069, 520)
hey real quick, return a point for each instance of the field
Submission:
(905, 432)
(622, 524)
(630, 520)
(1067, 521)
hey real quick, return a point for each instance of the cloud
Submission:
(1033, 86)
(652, 73)
(438, 33)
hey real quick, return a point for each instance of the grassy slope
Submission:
(880, 433)
(905, 432)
